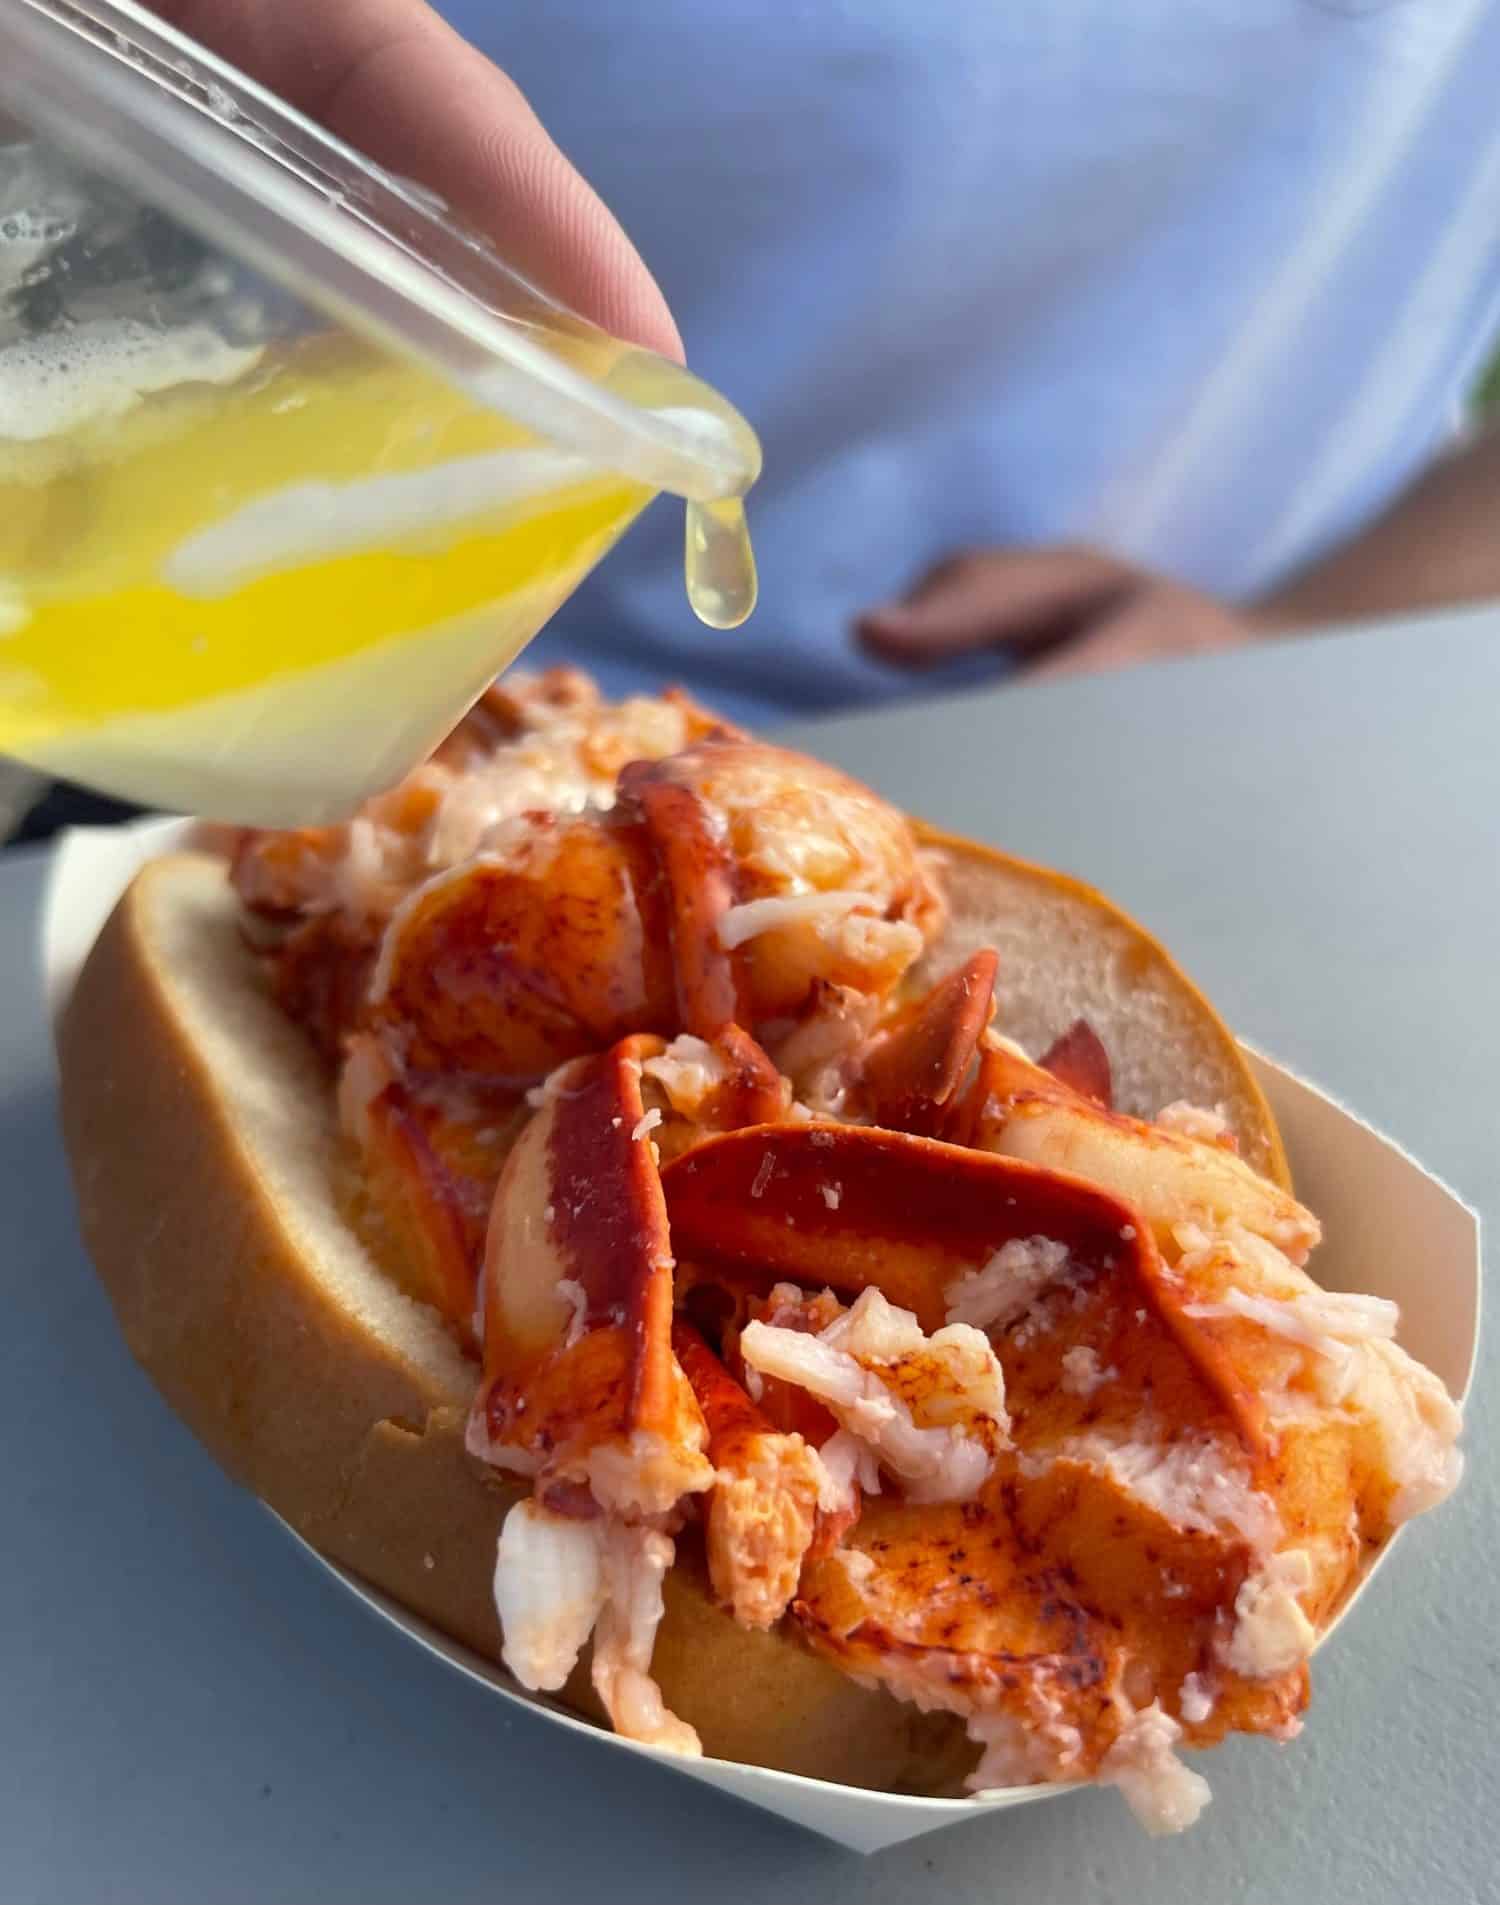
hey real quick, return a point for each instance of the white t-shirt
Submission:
(1201, 281)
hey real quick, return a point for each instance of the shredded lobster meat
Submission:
(1006, 1287)
(931, 1410)
(768, 1487)
(636, 1561)
(1017, 1407)
(1164, 1795)
(537, 743)
(549, 1591)
(560, 1580)
(1271, 1631)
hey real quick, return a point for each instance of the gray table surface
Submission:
(189, 1712)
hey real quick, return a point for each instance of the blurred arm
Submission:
(1438, 543)
(1071, 611)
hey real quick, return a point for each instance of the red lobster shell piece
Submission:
(911, 1068)
(580, 1382)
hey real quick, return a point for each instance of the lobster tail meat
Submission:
(514, 962)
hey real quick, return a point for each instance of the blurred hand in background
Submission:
(1057, 611)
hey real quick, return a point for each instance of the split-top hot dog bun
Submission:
(314, 1327)
(213, 1191)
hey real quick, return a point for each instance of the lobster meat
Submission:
(1015, 1405)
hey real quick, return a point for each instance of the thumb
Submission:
(983, 598)
(394, 80)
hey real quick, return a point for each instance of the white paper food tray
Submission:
(1390, 1229)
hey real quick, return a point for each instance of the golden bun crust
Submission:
(206, 1157)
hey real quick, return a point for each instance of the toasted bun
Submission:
(207, 1161)
(1066, 952)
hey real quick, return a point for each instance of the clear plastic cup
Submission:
(291, 462)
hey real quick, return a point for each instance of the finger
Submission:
(394, 80)
(1157, 625)
(1023, 596)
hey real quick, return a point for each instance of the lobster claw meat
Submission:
(714, 1085)
(581, 1387)
(753, 1091)
(1022, 1111)
(854, 1206)
(912, 1067)
(582, 1391)
(1078, 1059)
(1003, 1081)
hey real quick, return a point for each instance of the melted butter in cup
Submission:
(288, 458)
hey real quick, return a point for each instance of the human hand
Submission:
(393, 79)
(1061, 611)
